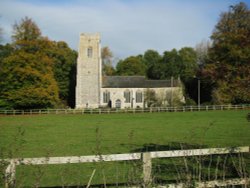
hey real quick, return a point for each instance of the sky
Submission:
(127, 27)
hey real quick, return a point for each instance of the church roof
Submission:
(135, 82)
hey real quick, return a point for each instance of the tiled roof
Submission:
(135, 82)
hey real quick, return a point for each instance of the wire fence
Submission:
(126, 110)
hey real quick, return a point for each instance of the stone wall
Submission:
(161, 94)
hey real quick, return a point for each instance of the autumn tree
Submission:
(26, 30)
(107, 56)
(26, 77)
(229, 66)
(5, 51)
(27, 81)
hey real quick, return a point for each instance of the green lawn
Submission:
(69, 135)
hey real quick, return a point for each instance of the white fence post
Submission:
(147, 168)
(10, 173)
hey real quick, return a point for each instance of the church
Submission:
(94, 90)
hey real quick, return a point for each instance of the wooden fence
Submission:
(127, 110)
(146, 158)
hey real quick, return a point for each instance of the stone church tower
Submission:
(89, 69)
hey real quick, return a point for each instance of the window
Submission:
(90, 52)
(106, 97)
(138, 98)
(127, 96)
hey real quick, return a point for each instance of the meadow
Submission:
(75, 135)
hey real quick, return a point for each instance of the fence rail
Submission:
(127, 110)
(146, 158)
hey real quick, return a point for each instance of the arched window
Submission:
(90, 52)
(106, 96)
(138, 97)
(127, 96)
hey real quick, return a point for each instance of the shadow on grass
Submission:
(171, 146)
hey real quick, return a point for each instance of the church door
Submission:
(118, 103)
(110, 104)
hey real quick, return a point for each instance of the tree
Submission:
(64, 66)
(229, 67)
(151, 57)
(131, 66)
(157, 71)
(26, 30)
(107, 56)
(165, 67)
(188, 64)
(201, 50)
(173, 63)
(27, 81)
(27, 78)
(5, 51)
(150, 98)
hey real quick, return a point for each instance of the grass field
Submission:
(69, 135)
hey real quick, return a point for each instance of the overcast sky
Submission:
(128, 27)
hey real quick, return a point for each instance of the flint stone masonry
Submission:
(88, 71)
(91, 85)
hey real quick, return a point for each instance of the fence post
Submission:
(147, 167)
(10, 175)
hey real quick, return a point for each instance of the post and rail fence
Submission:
(145, 157)
(126, 110)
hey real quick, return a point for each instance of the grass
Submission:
(69, 135)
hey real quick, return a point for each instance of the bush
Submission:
(190, 102)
